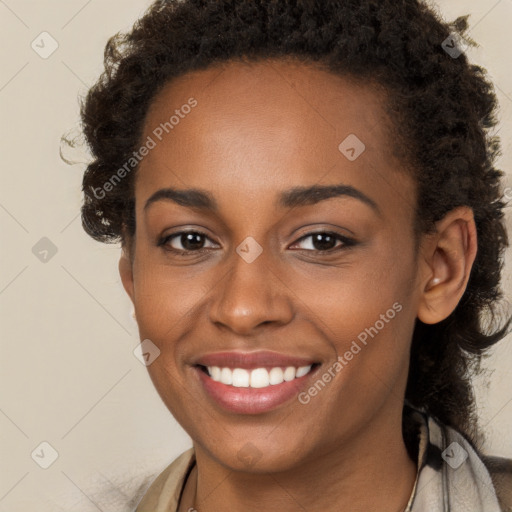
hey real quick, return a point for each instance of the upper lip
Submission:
(251, 360)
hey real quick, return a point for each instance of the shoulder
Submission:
(457, 470)
(500, 470)
(164, 493)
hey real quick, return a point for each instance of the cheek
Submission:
(368, 318)
(165, 298)
(166, 305)
(369, 334)
(356, 297)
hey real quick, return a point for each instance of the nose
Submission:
(250, 295)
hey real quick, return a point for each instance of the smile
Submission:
(257, 378)
(254, 382)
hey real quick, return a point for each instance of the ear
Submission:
(447, 258)
(126, 273)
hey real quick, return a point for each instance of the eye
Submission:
(324, 241)
(186, 242)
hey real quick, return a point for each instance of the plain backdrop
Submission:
(69, 377)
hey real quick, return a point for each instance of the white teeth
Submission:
(241, 378)
(289, 373)
(257, 378)
(276, 376)
(260, 378)
(225, 376)
(303, 370)
(215, 372)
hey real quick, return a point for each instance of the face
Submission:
(274, 231)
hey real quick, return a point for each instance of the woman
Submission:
(312, 236)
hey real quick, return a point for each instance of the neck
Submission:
(370, 472)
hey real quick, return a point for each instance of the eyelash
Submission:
(346, 242)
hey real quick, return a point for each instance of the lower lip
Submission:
(252, 400)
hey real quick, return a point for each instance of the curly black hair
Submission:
(442, 107)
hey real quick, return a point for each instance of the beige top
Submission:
(165, 492)
(451, 476)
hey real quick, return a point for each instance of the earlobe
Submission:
(126, 273)
(448, 257)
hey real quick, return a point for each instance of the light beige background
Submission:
(68, 373)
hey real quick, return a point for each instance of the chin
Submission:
(257, 456)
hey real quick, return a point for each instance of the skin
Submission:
(257, 131)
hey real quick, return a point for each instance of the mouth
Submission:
(257, 378)
(251, 388)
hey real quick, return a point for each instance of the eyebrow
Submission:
(295, 197)
(192, 198)
(303, 196)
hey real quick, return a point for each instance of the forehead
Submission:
(270, 124)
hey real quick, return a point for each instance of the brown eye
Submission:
(191, 241)
(185, 241)
(324, 241)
